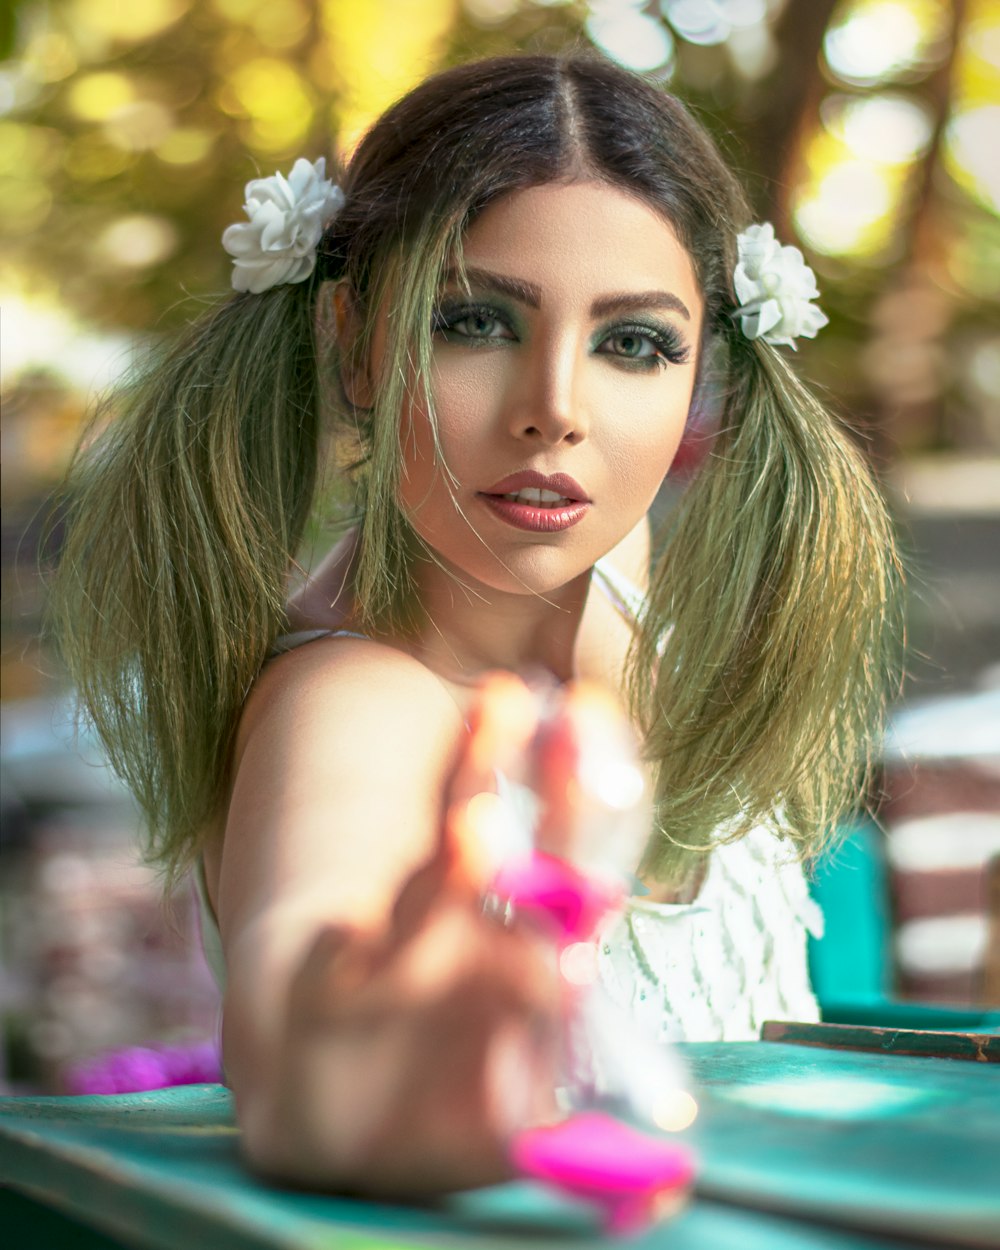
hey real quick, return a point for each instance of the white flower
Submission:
(774, 286)
(287, 219)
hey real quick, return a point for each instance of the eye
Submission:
(644, 347)
(631, 346)
(477, 324)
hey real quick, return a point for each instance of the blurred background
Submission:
(868, 131)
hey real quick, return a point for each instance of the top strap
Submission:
(621, 590)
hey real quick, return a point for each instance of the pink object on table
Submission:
(629, 1175)
(133, 1069)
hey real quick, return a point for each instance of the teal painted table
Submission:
(802, 1148)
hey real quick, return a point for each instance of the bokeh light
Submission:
(186, 145)
(630, 36)
(28, 157)
(972, 137)
(128, 22)
(859, 186)
(275, 100)
(887, 127)
(137, 241)
(489, 13)
(96, 97)
(753, 51)
(50, 57)
(712, 22)
(871, 41)
(972, 143)
(376, 51)
(674, 1110)
(845, 211)
(27, 202)
(90, 158)
(38, 331)
(140, 125)
(698, 21)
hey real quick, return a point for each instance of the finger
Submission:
(338, 964)
(502, 722)
(482, 830)
(591, 785)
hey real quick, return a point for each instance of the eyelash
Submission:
(447, 317)
(669, 347)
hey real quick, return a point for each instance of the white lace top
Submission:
(717, 968)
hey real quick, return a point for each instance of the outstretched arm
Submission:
(380, 1033)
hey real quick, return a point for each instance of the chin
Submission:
(536, 570)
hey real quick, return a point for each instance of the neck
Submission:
(470, 629)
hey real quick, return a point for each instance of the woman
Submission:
(505, 326)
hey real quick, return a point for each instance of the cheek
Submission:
(643, 441)
(468, 388)
(459, 408)
(462, 408)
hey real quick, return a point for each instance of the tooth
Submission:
(535, 497)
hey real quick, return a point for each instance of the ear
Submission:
(355, 372)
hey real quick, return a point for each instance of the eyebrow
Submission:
(530, 293)
(628, 301)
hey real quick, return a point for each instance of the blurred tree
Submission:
(130, 134)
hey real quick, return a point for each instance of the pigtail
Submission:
(183, 515)
(771, 626)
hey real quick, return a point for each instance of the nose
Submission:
(544, 403)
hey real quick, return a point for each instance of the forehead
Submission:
(585, 234)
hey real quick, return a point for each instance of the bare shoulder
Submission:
(341, 764)
(340, 687)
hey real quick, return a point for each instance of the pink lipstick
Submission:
(539, 502)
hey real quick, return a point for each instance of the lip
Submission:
(560, 483)
(537, 520)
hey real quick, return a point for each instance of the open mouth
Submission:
(538, 509)
(535, 497)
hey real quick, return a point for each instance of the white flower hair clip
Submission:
(775, 286)
(287, 219)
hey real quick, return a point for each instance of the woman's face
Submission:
(567, 371)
